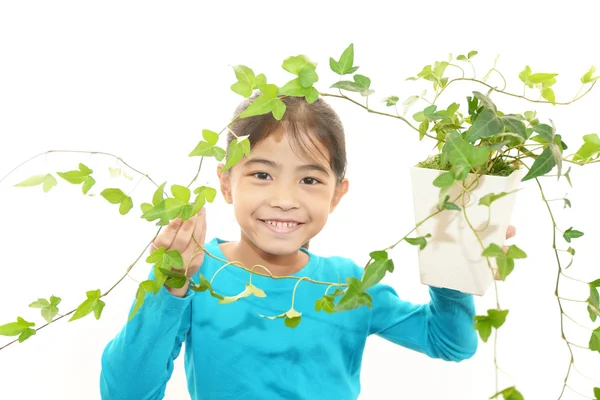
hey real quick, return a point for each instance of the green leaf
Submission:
(587, 77)
(513, 123)
(181, 193)
(114, 196)
(375, 271)
(548, 94)
(32, 181)
(75, 177)
(571, 234)
(15, 328)
(205, 285)
(306, 77)
(126, 205)
(210, 136)
(248, 291)
(444, 180)
(493, 250)
(485, 323)
(354, 297)
(245, 80)
(295, 88)
(292, 322)
(540, 77)
(542, 165)
(263, 105)
(505, 266)
(489, 198)
(344, 65)
(567, 203)
(88, 306)
(483, 327)
(391, 100)
(510, 393)
(296, 64)
(361, 85)
(218, 153)
(235, 154)
(447, 205)
(325, 303)
(486, 125)
(420, 241)
(98, 307)
(590, 148)
(515, 252)
(472, 54)
(158, 196)
(47, 180)
(26, 334)
(87, 184)
(595, 340)
(49, 309)
(202, 149)
(597, 393)
(525, 74)
(461, 152)
(147, 286)
(485, 101)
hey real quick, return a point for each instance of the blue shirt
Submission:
(232, 353)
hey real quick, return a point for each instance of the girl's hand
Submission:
(178, 236)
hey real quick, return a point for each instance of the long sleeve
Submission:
(138, 362)
(442, 328)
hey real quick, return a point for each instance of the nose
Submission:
(284, 196)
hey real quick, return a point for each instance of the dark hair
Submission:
(301, 117)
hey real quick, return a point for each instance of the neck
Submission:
(250, 255)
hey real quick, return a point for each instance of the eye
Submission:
(261, 175)
(310, 181)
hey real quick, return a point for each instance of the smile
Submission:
(281, 226)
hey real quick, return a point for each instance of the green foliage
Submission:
(47, 181)
(116, 196)
(250, 290)
(49, 308)
(21, 328)
(91, 304)
(474, 138)
(420, 241)
(572, 234)
(510, 393)
(504, 261)
(345, 65)
(76, 177)
(485, 323)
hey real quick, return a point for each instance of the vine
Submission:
(482, 141)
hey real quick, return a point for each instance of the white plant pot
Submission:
(452, 258)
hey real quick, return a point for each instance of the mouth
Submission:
(281, 226)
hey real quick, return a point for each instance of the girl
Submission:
(282, 195)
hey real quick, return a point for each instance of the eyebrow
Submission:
(273, 164)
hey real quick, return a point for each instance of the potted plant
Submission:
(463, 194)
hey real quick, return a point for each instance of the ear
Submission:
(340, 190)
(225, 183)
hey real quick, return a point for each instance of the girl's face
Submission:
(280, 198)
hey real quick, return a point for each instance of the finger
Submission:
(199, 234)
(165, 239)
(184, 235)
(511, 231)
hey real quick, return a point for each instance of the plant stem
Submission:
(77, 151)
(558, 298)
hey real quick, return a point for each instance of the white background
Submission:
(142, 79)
